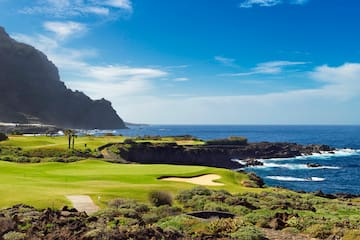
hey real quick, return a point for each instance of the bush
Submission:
(248, 233)
(352, 234)
(181, 223)
(186, 195)
(320, 231)
(14, 236)
(3, 137)
(166, 211)
(159, 198)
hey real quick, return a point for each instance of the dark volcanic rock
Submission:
(206, 155)
(31, 92)
(313, 165)
(29, 129)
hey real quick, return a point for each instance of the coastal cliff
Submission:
(31, 92)
(210, 155)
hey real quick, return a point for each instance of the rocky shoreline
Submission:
(29, 129)
(211, 155)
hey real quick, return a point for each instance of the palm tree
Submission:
(70, 134)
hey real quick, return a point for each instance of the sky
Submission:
(202, 61)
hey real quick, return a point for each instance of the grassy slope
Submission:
(46, 184)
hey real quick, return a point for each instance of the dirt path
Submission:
(83, 203)
(206, 180)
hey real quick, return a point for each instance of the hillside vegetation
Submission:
(126, 193)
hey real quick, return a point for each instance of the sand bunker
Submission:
(206, 180)
(83, 203)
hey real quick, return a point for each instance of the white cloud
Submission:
(342, 81)
(125, 4)
(273, 67)
(181, 79)
(269, 3)
(332, 103)
(65, 29)
(71, 8)
(224, 60)
(261, 3)
(109, 81)
(97, 10)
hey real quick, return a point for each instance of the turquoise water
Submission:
(340, 172)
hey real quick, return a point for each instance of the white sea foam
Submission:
(294, 179)
(292, 166)
(242, 162)
(344, 152)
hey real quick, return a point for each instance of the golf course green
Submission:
(46, 184)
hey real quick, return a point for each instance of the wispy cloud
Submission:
(181, 79)
(269, 3)
(340, 85)
(225, 61)
(110, 81)
(273, 67)
(65, 29)
(72, 8)
(124, 4)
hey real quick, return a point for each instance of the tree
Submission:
(71, 137)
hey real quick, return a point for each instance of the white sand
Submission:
(206, 180)
(83, 203)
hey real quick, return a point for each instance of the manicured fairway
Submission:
(31, 142)
(47, 184)
(61, 142)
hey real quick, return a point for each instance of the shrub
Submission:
(166, 211)
(14, 236)
(248, 233)
(159, 198)
(352, 234)
(320, 231)
(128, 204)
(3, 137)
(186, 195)
(181, 223)
(224, 226)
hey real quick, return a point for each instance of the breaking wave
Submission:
(295, 179)
(294, 166)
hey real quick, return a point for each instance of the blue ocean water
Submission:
(340, 171)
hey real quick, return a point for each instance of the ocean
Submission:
(339, 172)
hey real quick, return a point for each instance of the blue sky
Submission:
(203, 61)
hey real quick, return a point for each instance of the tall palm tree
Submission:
(70, 134)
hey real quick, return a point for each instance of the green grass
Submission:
(47, 184)
(33, 142)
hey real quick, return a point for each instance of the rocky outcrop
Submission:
(211, 155)
(31, 92)
(26, 222)
(29, 129)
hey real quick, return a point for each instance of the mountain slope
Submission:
(31, 91)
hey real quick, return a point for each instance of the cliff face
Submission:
(31, 91)
(211, 156)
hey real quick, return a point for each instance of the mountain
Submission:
(31, 92)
